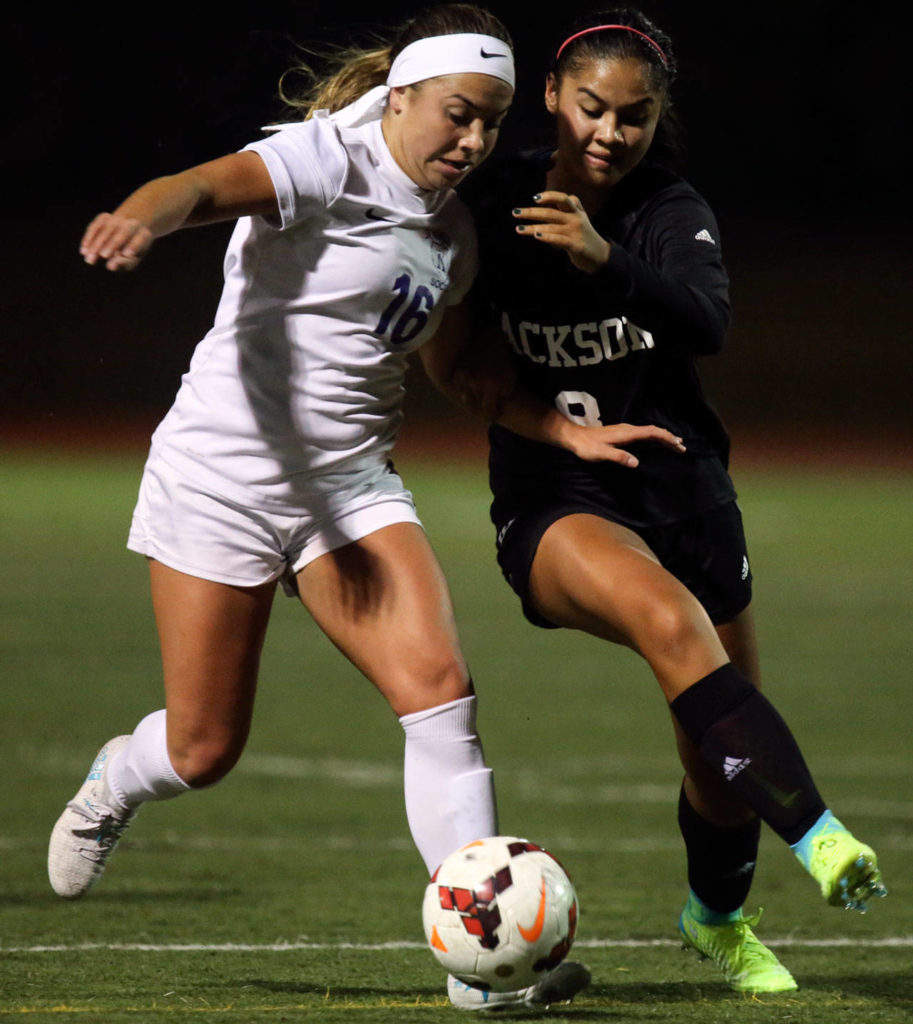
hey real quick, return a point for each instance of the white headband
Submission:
(458, 54)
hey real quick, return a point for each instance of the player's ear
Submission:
(551, 94)
(395, 101)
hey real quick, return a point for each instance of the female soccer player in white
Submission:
(272, 466)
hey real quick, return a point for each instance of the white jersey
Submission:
(301, 375)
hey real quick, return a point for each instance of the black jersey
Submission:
(617, 346)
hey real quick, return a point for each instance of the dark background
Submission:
(798, 133)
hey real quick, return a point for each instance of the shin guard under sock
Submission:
(742, 737)
(449, 789)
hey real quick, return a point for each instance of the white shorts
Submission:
(190, 529)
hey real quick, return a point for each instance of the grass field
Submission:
(291, 891)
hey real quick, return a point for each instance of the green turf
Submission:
(305, 844)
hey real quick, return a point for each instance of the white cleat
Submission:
(88, 830)
(558, 986)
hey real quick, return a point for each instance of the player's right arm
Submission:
(530, 417)
(480, 378)
(237, 185)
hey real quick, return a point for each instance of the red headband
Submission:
(624, 28)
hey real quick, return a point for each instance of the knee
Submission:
(673, 630)
(205, 760)
(437, 679)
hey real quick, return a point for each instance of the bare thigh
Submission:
(600, 577)
(384, 603)
(211, 637)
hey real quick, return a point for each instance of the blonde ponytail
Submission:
(351, 73)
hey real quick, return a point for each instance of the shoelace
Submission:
(754, 949)
(746, 939)
(103, 828)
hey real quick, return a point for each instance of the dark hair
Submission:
(584, 42)
(351, 72)
(645, 42)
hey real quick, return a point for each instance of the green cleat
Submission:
(747, 964)
(846, 869)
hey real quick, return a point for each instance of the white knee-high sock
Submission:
(142, 770)
(450, 797)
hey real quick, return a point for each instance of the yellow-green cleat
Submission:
(747, 964)
(846, 869)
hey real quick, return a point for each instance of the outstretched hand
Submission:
(560, 220)
(121, 242)
(600, 444)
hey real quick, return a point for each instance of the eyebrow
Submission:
(475, 106)
(646, 101)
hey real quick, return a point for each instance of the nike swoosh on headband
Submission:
(488, 56)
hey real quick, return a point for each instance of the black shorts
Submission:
(707, 553)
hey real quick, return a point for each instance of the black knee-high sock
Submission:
(740, 735)
(721, 861)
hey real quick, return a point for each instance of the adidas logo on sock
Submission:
(705, 236)
(733, 765)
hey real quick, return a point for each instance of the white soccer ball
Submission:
(499, 912)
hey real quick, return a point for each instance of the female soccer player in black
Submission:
(602, 269)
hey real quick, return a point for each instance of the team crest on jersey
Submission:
(440, 258)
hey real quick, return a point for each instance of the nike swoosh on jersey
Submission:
(488, 56)
(532, 933)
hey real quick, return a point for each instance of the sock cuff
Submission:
(143, 770)
(709, 699)
(707, 915)
(802, 849)
(453, 720)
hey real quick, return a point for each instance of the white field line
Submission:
(357, 774)
(615, 776)
(629, 845)
(374, 775)
(343, 844)
(889, 942)
(587, 782)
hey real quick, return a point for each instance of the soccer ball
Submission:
(499, 912)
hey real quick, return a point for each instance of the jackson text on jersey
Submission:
(580, 344)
